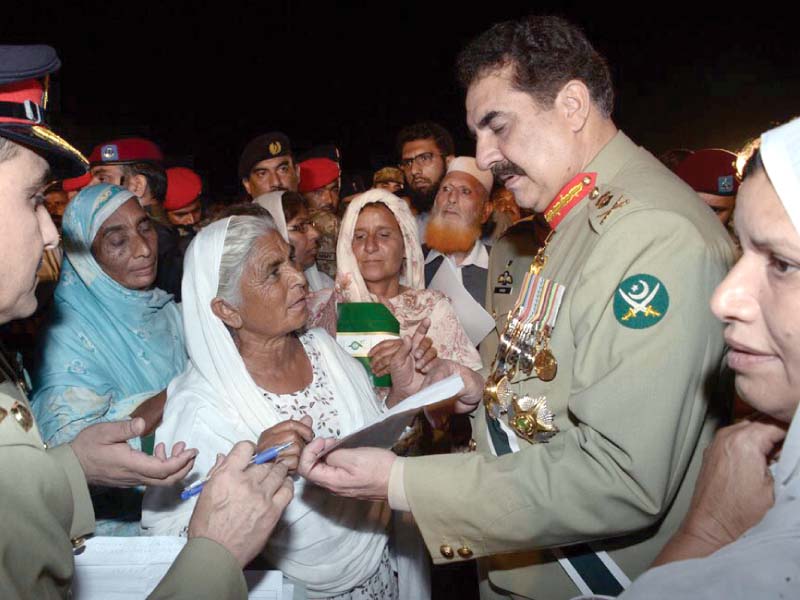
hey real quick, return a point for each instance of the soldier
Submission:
(609, 354)
(267, 165)
(45, 506)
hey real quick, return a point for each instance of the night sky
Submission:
(201, 79)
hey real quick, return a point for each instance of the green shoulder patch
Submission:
(640, 301)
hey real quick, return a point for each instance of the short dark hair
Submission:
(545, 52)
(425, 131)
(155, 174)
(292, 204)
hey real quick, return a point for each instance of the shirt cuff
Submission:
(397, 490)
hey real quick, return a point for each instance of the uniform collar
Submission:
(611, 158)
(569, 197)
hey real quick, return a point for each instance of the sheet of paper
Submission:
(474, 318)
(129, 568)
(385, 430)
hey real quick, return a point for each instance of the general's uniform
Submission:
(631, 396)
(46, 511)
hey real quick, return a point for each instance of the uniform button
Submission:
(587, 180)
(446, 551)
(594, 194)
(473, 445)
(465, 552)
(79, 542)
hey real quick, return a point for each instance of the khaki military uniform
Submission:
(631, 397)
(46, 511)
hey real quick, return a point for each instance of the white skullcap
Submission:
(780, 154)
(467, 164)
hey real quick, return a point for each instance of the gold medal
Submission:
(545, 364)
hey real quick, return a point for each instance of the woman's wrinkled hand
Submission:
(297, 432)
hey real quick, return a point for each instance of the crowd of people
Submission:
(563, 273)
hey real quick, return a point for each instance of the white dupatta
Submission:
(331, 544)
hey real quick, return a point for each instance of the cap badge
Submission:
(109, 152)
(275, 148)
(640, 301)
(725, 184)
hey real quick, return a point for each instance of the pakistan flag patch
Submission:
(640, 301)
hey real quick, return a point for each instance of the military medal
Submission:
(525, 342)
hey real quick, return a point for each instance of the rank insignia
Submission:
(603, 200)
(640, 301)
(22, 415)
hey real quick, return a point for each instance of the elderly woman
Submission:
(113, 342)
(290, 212)
(740, 536)
(255, 373)
(379, 259)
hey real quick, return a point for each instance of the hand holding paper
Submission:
(363, 472)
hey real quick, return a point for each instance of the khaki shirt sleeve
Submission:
(35, 512)
(83, 513)
(637, 404)
(203, 570)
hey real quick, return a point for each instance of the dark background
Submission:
(201, 79)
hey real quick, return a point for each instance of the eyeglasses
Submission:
(421, 160)
(300, 227)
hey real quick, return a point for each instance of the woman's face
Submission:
(126, 247)
(305, 239)
(759, 301)
(273, 290)
(378, 244)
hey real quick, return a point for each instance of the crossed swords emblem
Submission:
(639, 302)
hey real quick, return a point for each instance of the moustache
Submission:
(505, 169)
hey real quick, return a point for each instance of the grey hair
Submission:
(240, 238)
(8, 149)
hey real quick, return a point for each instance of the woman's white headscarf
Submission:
(780, 154)
(273, 202)
(412, 275)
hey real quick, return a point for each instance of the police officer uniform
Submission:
(45, 507)
(638, 351)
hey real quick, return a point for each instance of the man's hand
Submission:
(297, 432)
(107, 459)
(359, 473)
(733, 491)
(241, 504)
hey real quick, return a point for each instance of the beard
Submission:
(422, 200)
(448, 237)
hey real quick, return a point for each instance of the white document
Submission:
(474, 318)
(386, 429)
(129, 568)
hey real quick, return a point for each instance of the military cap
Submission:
(388, 174)
(264, 147)
(710, 171)
(317, 172)
(24, 80)
(126, 150)
(183, 188)
(74, 184)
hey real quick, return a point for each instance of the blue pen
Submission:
(259, 459)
